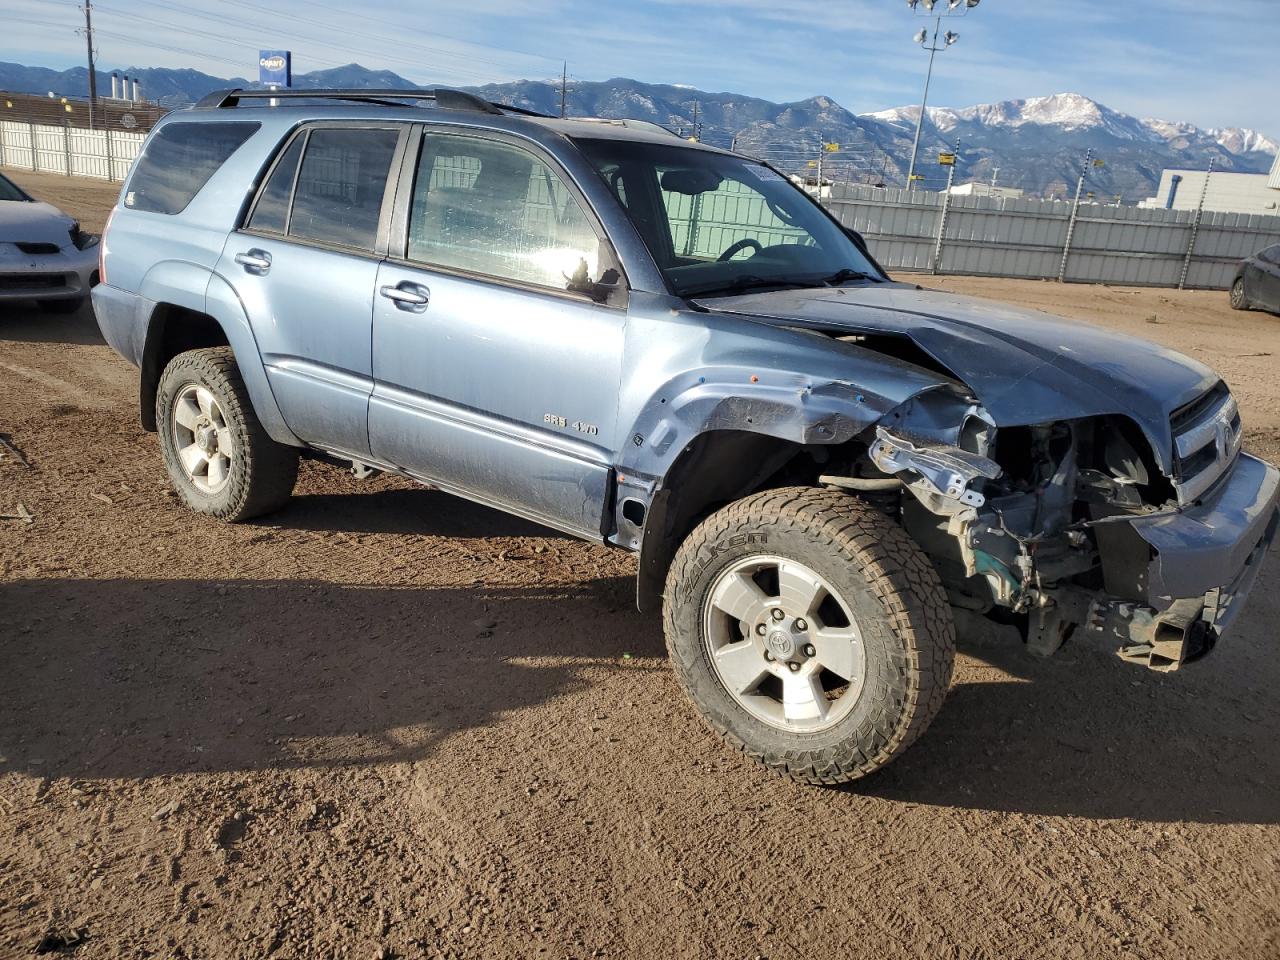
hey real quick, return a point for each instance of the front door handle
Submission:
(413, 297)
(254, 261)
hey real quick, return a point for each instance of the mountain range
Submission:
(1036, 144)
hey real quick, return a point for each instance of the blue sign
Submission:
(275, 68)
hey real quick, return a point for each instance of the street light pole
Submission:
(953, 8)
(915, 144)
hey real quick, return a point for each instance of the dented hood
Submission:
(1024, 366)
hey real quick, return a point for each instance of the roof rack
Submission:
(444, 98)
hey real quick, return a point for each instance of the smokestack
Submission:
(137, 91)
(115, 86)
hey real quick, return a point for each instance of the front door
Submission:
(492, 379)
(305, 265)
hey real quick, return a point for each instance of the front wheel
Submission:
(219, 457)
(1239, 301)
(810, 631)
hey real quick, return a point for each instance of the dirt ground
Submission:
(386, 722)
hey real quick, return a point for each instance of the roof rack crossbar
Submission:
(444, 98)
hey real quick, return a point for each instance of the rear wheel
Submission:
(810, 631)
(61, 306)
(219, 457)
(1238, 299)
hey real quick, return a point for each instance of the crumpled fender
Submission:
(747, 376)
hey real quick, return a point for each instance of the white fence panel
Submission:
(72, 151)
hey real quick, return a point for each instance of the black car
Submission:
(1257, 282)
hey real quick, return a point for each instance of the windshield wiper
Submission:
(845, 274)
(750, 281)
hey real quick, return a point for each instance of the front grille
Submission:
(1206, 439)
(32, 281)
(36, 249)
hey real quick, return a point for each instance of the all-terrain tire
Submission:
(907, 631)
(1239, 299)
(262, 472)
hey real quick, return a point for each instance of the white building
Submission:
(976, 188)
(1229, 192)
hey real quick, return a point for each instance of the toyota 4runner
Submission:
(671, 349)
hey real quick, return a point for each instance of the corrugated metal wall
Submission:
(104, 154)
(988, 236)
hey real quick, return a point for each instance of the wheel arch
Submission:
(182, 320)
(716, 468)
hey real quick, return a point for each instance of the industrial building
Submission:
(1226, 192)
(976, 188)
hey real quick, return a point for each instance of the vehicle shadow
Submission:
(1083, 734)
(136, 678)
(23, 322)
(398, 505)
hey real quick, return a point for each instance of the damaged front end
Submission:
(1073, 525)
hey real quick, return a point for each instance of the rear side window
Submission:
(271, 214)
(338, 196)
(178, 162)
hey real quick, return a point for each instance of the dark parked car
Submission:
(673, 350)
(1257, 282)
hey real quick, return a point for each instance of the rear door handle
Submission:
(254, 261)
(413, 297)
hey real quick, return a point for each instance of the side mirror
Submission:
(598, 290)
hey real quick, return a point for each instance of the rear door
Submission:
(492, 379)
(304, 265)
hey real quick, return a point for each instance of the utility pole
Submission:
(564, 83)
(696, 133)
(93, 78)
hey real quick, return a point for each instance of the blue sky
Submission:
(1210, 62)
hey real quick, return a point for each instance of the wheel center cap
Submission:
(781, 644)
(207, 439)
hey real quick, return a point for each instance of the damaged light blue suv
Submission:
(671, 349)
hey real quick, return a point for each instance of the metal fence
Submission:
(1051, 239)
(74, 151)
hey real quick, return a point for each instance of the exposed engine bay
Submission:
(1034, 523)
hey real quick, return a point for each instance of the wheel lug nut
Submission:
(778, 614)
(761, 629)
(808, 650)
(801, 625)
(768, 656)
(793, 666)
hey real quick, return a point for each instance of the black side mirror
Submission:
(597, 290)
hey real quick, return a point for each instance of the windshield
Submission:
(718, 224)
(9, 190)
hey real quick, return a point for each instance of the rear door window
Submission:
(178, 162)
(340, 186)
(271, 213)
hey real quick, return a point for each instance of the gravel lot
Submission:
(386, 722)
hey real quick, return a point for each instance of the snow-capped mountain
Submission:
(1075, 112)
(1036, 144)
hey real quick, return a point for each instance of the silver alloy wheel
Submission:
(1237, 294)
(202, 437)
(784, 644)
